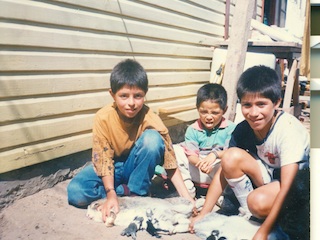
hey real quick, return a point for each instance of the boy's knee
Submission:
(257, 205)
(72, 192)
(74, 195)
(230, 158)
(151, 134)
(152, 138)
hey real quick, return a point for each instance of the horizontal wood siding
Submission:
(56, 58)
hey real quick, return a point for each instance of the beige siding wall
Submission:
(56, 58)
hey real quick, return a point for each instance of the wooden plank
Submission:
(287, 50)
(177, 108)
(39, 12)
(37, 153)
(167, 18)
(214, 5)
(272, 32)
(156, 105)
(43, 130)
(169, 78)
(186, 8)
(236, 53)
(290, 85)
(293, 45)
(49, 84)
(33, 108)
(170, 92)
(113, 5)
(178, 118)
(181, 7)
(57, 57)
(38, 61)
(22, 35)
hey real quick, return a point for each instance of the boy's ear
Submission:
(277, 104)
(225, 110)
(111, 93)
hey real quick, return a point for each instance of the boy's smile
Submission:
(259, 112)
(129, 100)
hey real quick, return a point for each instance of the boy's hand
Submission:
(261, 235)
(193, 220)
(206, 164)
(111, 204)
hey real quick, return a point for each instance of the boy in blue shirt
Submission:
(199, 155)
(266, 154)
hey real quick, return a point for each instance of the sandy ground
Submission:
(47, 215)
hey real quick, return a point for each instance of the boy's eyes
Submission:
(139, 96)
(246, 104)
(260, 104)
(206, 113)
(136, 96)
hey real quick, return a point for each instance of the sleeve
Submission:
(243, 137)
(170, 161)
(294, 145)
(102, 153)
(191, 145)
(229, 132)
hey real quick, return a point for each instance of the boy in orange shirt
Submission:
(129, 141)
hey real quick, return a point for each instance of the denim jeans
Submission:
(136, 172)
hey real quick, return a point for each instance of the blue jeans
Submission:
(136, 172)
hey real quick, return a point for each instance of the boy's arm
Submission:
(111, 202)
(288, 174)
(193, 159)
(206, 164)
(215, 190)
(176, 178)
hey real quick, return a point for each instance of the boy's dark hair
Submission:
(128, 72)
(213, 92)
(260, 80)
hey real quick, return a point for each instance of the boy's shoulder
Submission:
(226, 123)
(287, 121)
(231, 123)
(106, 110)
(242, 127)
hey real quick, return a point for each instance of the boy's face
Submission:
(129, 100)
(210, 114)
(258, 111)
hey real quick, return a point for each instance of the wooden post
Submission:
(237, 48)
(292, 81)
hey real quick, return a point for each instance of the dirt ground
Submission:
(47, 215)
